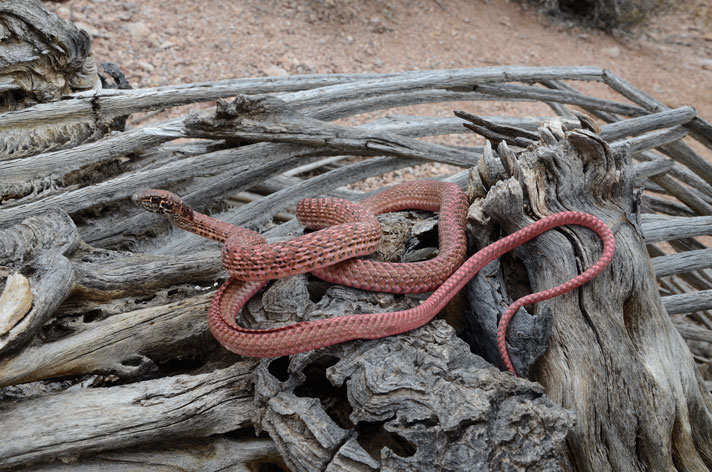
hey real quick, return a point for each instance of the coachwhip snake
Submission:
(347, 230)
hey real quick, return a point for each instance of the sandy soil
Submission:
(160, 43)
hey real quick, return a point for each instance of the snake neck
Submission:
(183, 217)
(202, 225)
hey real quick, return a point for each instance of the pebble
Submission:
(63, 12)
(615, 51)
(147, 66)
(275, 71)
(137, 30)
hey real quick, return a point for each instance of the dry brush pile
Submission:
(105, 357)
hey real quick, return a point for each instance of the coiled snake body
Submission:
(347, 230)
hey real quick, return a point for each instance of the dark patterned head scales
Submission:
(163, 202)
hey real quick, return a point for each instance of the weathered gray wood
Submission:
(79, 421)
(256, 161)
(66, 66)
(408, 125)
(38, 246)
(497, 133)
(64, 161)
(643, 124)
(651, 140)
(694, 332)
(302, 101)
(528, 92)
(337, 108)
(684, 262)
(449, 79)
(584, 347)
(688, 302)
(333, 86)
(699, 127)
(52, 231)
(255, 120)
(414, 393)
(122, 102)
(686, 156)
(602, 115)
(561, 110)
(141, 274)
(280, 182)
(228, 178)
(688, 196)
(126, 184)
(663, 228)
(196, 454)
(680, 172)
(43, 58)
(123, 344)
(651, 168)
(652, 204)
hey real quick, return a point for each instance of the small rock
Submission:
(706, 64)
(147, 66)
(615, 51)
(275, 71)
(306, 66)
(137, 30)
(63, 12)
(130, 6)
(166, 44)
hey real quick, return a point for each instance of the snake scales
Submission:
(346, 231)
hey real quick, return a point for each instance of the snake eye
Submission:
(155, 200)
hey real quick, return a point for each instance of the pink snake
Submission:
(348, 230)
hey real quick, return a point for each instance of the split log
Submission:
(65, 65)
(75, 422)
(38, 247)
(199, 455)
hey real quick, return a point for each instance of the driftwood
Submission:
(105, 357)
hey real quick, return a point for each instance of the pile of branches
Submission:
(105, 356)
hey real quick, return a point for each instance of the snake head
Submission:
(162, 202)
